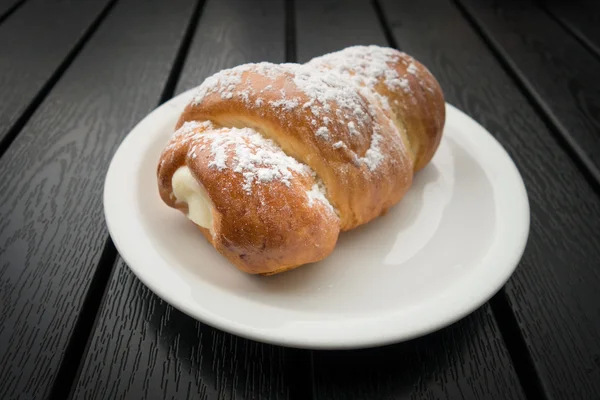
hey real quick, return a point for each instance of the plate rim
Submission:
(206, 316)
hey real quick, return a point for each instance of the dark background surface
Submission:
(77, 75)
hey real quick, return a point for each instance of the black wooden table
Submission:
(77, 75)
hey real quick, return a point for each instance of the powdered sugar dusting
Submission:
(247, 152)
(317, 193)
(187, 132)
(404, 84)
(220, 82)
(373, 156)
(352, 129)
(345, 81)
(226, 81)
(189, 127)
(286, 104)
(219, 158)
(324, 87)
(245, 96)
(412, 69)
(323, 132)
(367, 66)
(363, 68)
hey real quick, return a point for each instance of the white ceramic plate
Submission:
(439, 254)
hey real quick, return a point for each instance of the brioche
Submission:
(273, 161)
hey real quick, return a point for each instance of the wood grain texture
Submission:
(52, 229)
(581, 18)
(467, 360)
(7, 7)
(329, 25)
(234, 32)
(144, 348)
(561, 75)
(554, 291)
(34, 42)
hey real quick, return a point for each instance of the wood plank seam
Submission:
(182, 53)
(507, 323)
(11, 10)
(72, 364)
(524, 365)
(54, 78)
(573, 31)
(78, 345)
(290, 32)
(528, 374)
(291, 56)
(517, 348)
(335, 375)
(387, 30)
(313, 386)
(560, 133)
(66, 160)
(550, 290)
(197, 360)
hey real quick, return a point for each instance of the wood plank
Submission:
(52, 230)
(466, 360)
(35, 44)
(459, 362)
(143, 348)
(581, 18)
(324, 26)
(241, 33)
(554, 290)
(156, 351)
(7, 7)
(559, 73)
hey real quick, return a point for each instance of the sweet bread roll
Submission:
(273, 161)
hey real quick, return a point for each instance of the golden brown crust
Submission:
(260, 228)
(423, 114)
(362, 121)
(358, 192)
(415, 98)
